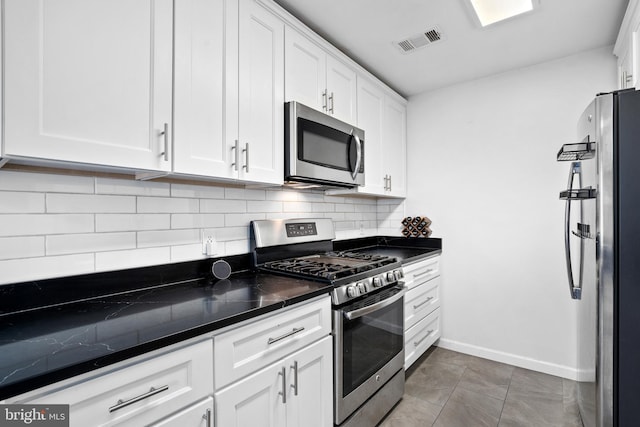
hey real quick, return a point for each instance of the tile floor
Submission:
(449, 389)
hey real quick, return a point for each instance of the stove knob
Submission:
(352, 291)
(390, 277)
(362, 289)
(377, 282)
(399, 274)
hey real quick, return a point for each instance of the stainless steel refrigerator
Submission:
(602, 243)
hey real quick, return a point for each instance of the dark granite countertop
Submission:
(46, 344)
(406, 249)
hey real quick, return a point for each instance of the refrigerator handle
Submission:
(576, 291)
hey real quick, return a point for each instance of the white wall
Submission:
(54, 225)
(482, 166)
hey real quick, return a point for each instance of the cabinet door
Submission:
(310, 378)
(98, 91)
(370, 116)
(394, 145)
(341, 88)
(205, 95)
(261, 94)
(200, 415)
(305, 71)
(255, 401)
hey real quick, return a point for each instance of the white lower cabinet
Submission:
(421, 308)
(198, 415)
(294, 391)
(138, 393)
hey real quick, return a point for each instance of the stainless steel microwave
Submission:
(322, 150)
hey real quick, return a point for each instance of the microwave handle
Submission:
(356, 168)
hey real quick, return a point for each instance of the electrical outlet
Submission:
(209, 244)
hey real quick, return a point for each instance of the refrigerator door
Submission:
(583, 242)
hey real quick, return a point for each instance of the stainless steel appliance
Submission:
(602, 242)
(322, 150)
(368, 311)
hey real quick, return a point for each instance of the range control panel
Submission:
(301, 229)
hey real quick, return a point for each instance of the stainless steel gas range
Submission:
(367, 305)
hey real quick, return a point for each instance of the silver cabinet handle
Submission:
(324, 100)
(246, 157)
(236, 153)
(288, 334)
(575, 290)
(123, 403)
(385, 183)
(165, 134)
(283, 372)
(331, 99)
(417, 343)
(207, 417)
(390, 183)
(422, 303)
(422, 273)
(294, 386)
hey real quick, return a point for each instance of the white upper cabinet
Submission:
(394, 147)
(229, 91)
(627, 47)
(370, 118)
(89, 81)
(317, 79)
(205, 97)
(260, 149)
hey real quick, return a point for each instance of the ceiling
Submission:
(366, 29)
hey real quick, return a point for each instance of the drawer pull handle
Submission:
(422, 273)
(123, 403)
(283, 372)
(422, 303)
(417, 343)
(288, 334)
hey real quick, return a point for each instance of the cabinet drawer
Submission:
(198, 415)
(420, 272)
(141, 393)
(420, 337)
(248, 348)
(420, 301)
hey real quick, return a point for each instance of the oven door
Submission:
(319, 148)
(368, 348)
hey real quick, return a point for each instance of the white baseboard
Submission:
(515, 360)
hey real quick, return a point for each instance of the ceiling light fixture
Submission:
(492, 11)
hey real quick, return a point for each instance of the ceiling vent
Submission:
(425, 38)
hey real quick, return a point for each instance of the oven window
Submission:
(369, 342)
(323, 145)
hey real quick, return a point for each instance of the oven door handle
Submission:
(351, 315)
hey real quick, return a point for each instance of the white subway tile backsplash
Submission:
(90, 242)
(168, 238)
(223, 206)
(81, 203)
(187, 252)
(241, 220)
(266, 206)
(132, 222)
(118, 260)
(197, 220)
(297, 207)
(243, 194)
(19, 270)
(42, 224)
(21, 247)
(76, 224)
(18, 202)
(132, 188)
(197, 191)
(45, 183)
(167, 205)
